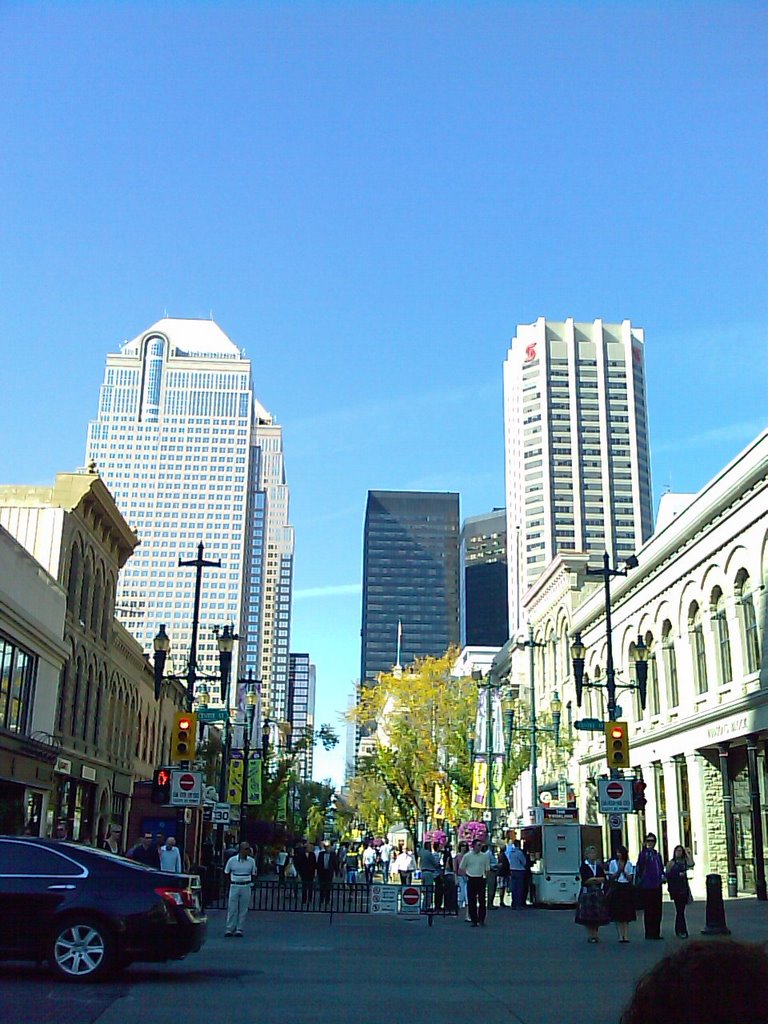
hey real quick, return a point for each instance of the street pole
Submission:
(199, 563)
(534, 725)
(610, 673)
(489, 755)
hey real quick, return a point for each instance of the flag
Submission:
(480, 784)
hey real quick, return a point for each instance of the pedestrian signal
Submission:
(617, 744)
(161, 786)
(638, 795)
(183, 736)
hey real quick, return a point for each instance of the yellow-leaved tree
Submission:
(418, 722)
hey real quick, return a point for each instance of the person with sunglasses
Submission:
(650, 877)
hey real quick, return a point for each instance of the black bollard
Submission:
(715, 908)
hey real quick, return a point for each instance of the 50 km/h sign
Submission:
(615, 795)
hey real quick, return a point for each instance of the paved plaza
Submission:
(531, 967)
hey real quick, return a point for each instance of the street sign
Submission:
(590, 724)
(220, 814)
(211, 795)
(383, 899)
(615, 820)
(210, 715)
(614, 795)
(186, 788)
(487, 815)
(409, 899)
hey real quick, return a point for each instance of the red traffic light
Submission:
(184, 723)
(617, 732)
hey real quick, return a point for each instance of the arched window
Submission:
(632, 673)
(670, 664)
(698, 652)
(100, 685)
(750, 637)
(654, 702)
(722, 636)
(63, 695)
(76, 696)
(108, 610)
(75, 574)
(98, 600)
(86, 717)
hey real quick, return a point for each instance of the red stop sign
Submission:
(614, 790)
(410, 896)
(186, 782)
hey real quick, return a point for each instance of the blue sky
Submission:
(369, 197)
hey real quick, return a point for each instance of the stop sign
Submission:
(410, 895)
(186, 782)
(614, 790)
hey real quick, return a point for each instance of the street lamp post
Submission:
(250, 712)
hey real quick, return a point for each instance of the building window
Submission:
(654, 704)
(749, 634)
(698, 653)
(722, 636)
(684, 803)
(18, 671)
(670, 664)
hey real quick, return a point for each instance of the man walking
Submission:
(327, 864)
(369, 862)
(385, 855)
(306, 865)
(476, 866)
(170, 858)
(145, 852)
(241, 870)
(517, 866)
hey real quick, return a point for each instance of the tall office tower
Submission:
(410, 578)
(483, 573)
(276, 573)
(576, 437)
(174, 440)
(301, 708)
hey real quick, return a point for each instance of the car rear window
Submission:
(26, 859)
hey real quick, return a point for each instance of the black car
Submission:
(88, 912)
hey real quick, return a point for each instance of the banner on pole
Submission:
(480, 783)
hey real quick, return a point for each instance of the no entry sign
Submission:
(186, 788)
(409, 899)
(615, 795)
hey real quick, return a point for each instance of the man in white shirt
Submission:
(170, 858)
(476, 866)
(385, 854)
(369, 863)
(241, 870)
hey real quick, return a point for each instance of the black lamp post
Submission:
(250, 711)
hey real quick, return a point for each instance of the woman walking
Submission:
(592, 911)
(650, 878)
(679, 889)
(621, 898)
(461, 877)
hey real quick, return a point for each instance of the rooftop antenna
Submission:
(165, 313)
(398, 669)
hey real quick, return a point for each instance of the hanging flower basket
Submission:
(468, 831)
(437, 836)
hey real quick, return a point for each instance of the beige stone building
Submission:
(109, 729)
(698, 600)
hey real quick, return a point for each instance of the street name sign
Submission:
(211, 715)
(590, 724)
(186, 788)
(614, 796)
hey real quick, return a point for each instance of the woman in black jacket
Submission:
(592, 910)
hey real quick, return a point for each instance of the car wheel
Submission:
(81, 950)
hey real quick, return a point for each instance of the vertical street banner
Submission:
(481, 720)
(282, 806)
(235, 780)
(498, 800)
(254, 779)
(480, 783)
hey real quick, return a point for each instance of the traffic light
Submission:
(183, 736)
(638, 795)
(617, 744)
(161, 786)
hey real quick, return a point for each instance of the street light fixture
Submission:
(251, 700)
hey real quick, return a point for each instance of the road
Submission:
(529, 967)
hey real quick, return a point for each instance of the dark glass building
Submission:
(484, 604)
(410, 577)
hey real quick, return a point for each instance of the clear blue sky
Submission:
(369, 197)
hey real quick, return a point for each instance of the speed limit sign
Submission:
(220, 814)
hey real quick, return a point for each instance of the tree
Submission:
(422, 718)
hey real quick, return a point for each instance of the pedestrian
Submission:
(476, 866)
(280, 861)
(529, 896)
(112, 840)
(449, 880)
(592, 911)
(649, 872)
(385, 855)
(678, 887)
(405, 865)
(341, 862)
(620, 892)
(170, 858)
(369, 863)
(502, 876)
(306, 865)
(491, 880)
(431, 870)
(145, 852)
(326, 869)
(517, 866)
(352, 865)
(241, 870)
(461, 877)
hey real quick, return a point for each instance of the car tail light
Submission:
(177, 897)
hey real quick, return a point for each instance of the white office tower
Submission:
(276, 573)
(576, 436)
(174, 442)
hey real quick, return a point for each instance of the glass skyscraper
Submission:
(483, 560)
(176, 440)
(410, 578)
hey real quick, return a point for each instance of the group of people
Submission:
(158, 852)
(614, 892)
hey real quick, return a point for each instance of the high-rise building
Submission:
(176, 439)
(576, 435)
(301, 708)
(410, 578)
(483, 574)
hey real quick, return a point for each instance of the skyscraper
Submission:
(576, 436)
(410, 578)
(176, 439)
(301, 707)
(483, 561)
